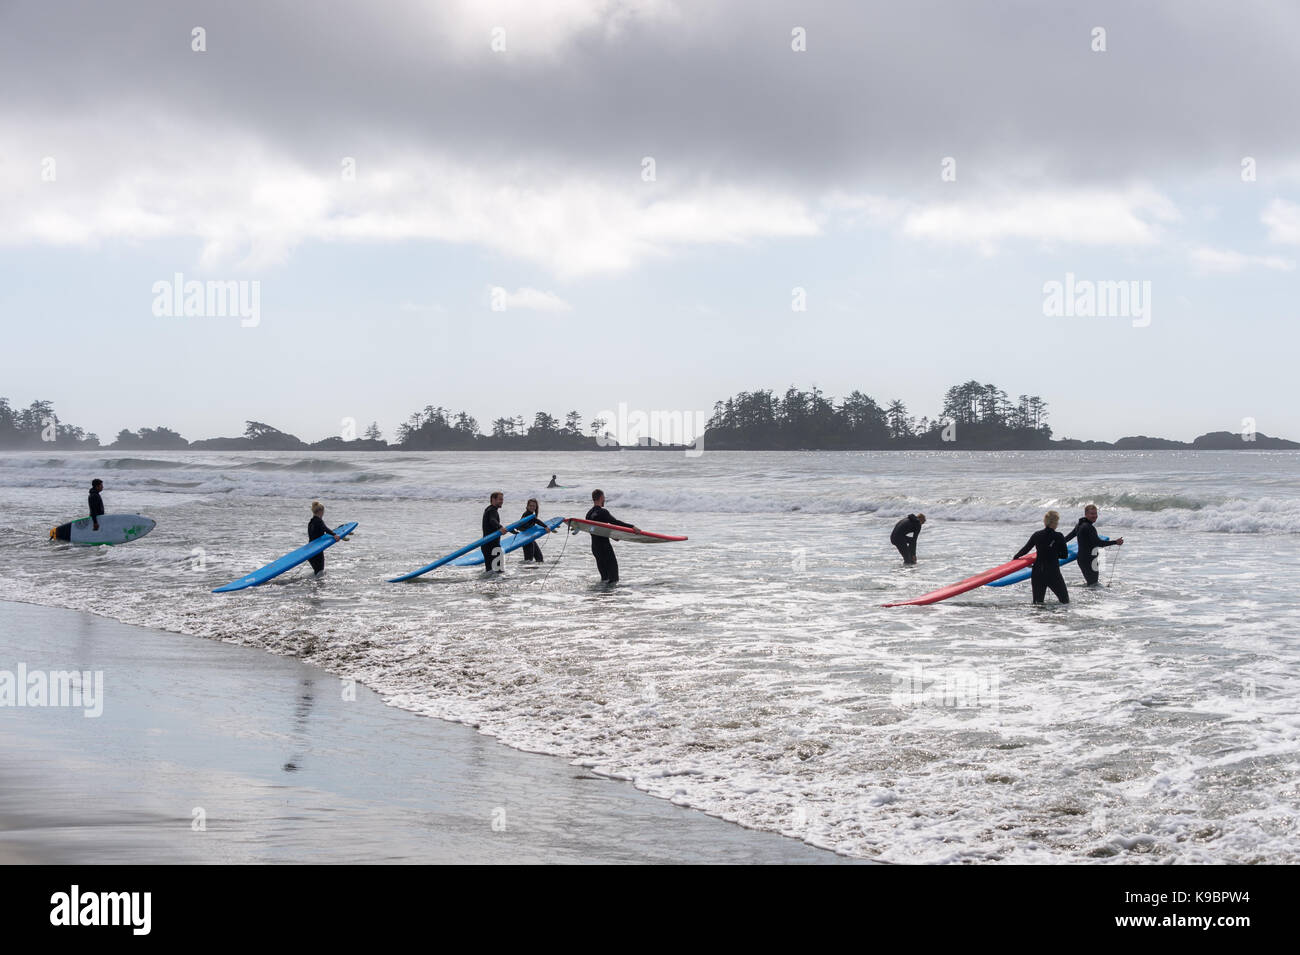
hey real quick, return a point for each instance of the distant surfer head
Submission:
(1051, 519)
(497, 499)
(598, 497)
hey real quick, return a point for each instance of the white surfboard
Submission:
(113, 529)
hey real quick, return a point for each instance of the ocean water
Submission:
(750, 672)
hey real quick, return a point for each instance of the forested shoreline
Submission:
(973, 416)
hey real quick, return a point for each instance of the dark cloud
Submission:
(884, 91)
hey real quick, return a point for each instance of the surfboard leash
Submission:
(556, 562)
(1113, 564)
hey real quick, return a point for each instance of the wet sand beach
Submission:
(212, 753)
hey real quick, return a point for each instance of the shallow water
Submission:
(750, 672)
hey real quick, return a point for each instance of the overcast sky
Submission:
(127, 156)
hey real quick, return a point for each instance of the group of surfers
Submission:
(1050, 546)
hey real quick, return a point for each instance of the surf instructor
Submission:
(1090, 544)
(899, 537)
(601, 547)
(95, 501)
(492, 525)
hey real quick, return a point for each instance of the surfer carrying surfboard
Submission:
(532, 551)
(601, 548)
(316, 528)
(910, 525)
(95, 501)
(492, 525)
(1090, 543)
(1050, 544)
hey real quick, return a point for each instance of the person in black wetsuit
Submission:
(906, 545)
(1046, 574)
(1090, 544)
(95, 501)
(492, 524)
(316, 528)
(552, 484)
(531, 550)
(601, 547)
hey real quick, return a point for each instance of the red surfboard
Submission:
(970, 583)
(614, 532)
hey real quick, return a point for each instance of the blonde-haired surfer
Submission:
(1051, 550)
(316, 528)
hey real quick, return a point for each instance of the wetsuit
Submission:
(492, 550)
(316, 528)
(552, 484)
(1047, 568)
(906, 545)
(1089, 542)
(96, 504)
(531, 550)
(601, 547)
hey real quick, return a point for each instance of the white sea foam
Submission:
(750, 672)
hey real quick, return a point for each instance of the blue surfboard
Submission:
(1072, 549)
(289, 561)
(513, 542)
(448, 558)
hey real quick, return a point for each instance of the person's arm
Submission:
(1029, 545)
(606, 517)
(1070, 536)
(1062, 551)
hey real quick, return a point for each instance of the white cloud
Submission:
(536, 300)
(1226, 260)
(1283, 221)
(1128, 217)
(250, 207)
(533, 28)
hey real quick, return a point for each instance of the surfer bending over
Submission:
(95, 501)
(531, 550)
(552, 484)
(1047, 568)
(491, 525)
(316, 528)
(1090, 543)
(906, 545)
(601, 547)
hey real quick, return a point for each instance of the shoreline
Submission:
(210, 752)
